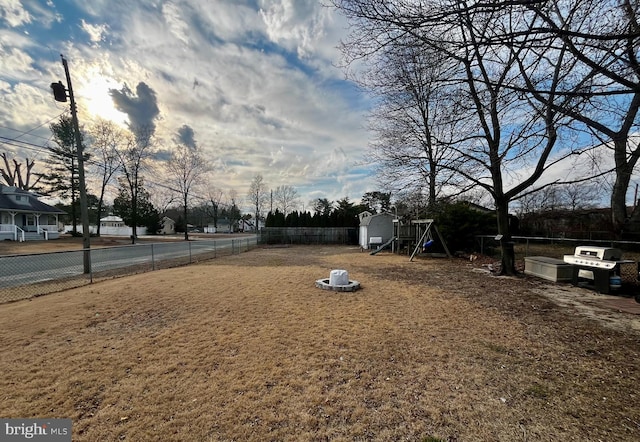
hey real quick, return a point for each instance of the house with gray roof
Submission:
(24, 217)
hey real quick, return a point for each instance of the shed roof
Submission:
(368, 219)
(111, 218)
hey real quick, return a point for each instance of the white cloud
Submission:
(19, 14)
(95, 32)
(308, 28)
(231, 21)
(44, 14)
(211, 66)
(296, 25)
(26, 107)
(14, 62)
(13, 13)
(177, 25)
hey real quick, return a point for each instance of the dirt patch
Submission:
(245, 347)
(619, 313)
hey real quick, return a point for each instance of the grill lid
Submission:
(597, 257)
(601, 253)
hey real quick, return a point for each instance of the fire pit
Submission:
(338, 281)
(598, 264)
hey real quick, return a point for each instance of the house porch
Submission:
(17, 226)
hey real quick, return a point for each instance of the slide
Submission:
(383, 246)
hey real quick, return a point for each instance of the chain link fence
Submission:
(28, 276)
(537, 245)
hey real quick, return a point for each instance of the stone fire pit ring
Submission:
(338, 281)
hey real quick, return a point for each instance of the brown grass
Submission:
(246, 348)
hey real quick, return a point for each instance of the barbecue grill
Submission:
(601, 265)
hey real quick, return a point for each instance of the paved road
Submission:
(29, 269)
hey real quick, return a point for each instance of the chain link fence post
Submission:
(90, 266)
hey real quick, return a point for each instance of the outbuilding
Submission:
(167, 226)
(375, 229)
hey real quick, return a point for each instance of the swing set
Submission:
(424, 231)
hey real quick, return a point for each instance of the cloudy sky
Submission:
(252, 82)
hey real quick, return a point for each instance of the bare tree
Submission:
(506, 138)
(187, 167)
(571, 196)
(257, 196)
(410, 203)
(17, 176)
(161, 196)
(286, 198)
(414, 121)
(134, 156)
(214, 202)
(576, 196)
(105, 137)
(607, 72)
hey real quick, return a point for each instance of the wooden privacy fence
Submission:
(308, 235)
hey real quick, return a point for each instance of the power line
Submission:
(44, 149)
(22, 144)
(15, 142)
(22, 133)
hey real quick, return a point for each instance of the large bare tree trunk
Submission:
(508, 260)
(624, 169)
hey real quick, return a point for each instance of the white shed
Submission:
(114, 225)
(168, 226)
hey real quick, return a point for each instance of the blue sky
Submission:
(254, 81)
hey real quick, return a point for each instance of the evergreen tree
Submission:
(62, 179)
(377, 202)
(146, 214)
(293, 219)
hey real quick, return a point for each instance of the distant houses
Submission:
(111, 225)
(224, 225)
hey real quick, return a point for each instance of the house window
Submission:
(20, 199)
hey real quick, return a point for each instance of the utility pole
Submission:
(60, 94)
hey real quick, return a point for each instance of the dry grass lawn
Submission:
(245, 348)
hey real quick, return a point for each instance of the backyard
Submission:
(245, 347)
